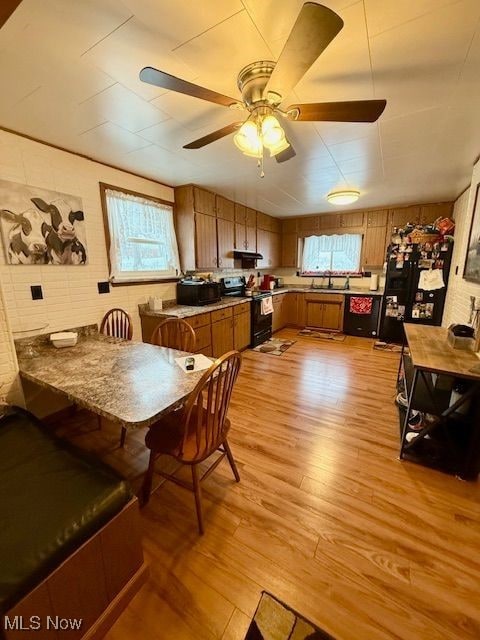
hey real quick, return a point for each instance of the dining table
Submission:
(130, 383)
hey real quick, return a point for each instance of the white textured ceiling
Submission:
(69, 76)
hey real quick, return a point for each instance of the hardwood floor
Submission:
(325, 517)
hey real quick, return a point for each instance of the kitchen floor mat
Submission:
(274, 346)
(273, 620)
(323, 335)
(387, 346)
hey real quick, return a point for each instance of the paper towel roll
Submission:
(374, 282)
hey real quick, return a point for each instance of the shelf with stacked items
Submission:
(437, 431)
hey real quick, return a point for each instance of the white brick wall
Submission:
(70, 293)
(9, 386)
(457, 307)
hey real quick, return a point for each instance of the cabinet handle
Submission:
(215, 261)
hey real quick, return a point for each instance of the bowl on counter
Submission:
(64, 339)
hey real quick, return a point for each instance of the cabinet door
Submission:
(290, 308)
(377, 218)
(240, 240)
(430, 212)
(263, 247)
(314, 314)
(277, 312)
(275, 249)
(330, 221)
(204, 201)
(308, 226)
(251, 238)
(250, 217)
(241, 330)
(353, 219)
(240, 212)
(222, 337)
(289, 225)
(206, 241)
(225, 232)
(332, 316)
(289, 250)
(400, 217)
(374, 246)
(225, 208)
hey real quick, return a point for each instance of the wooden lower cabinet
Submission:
(324, 311)
(222, 337)
(279, 308)
(241, 326)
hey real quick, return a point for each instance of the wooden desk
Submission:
(131, 383)
(430, 353)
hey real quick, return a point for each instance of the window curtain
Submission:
(143, 244)
(336, 253)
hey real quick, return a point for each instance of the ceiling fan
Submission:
(264, 84)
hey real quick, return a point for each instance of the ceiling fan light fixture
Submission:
(279, 147)
(343, 197)
(272, 132)
(248, 140)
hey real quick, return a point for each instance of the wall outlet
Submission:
(103, 287)
(37, 293)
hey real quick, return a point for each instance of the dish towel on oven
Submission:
(266, 306)
(361, 305)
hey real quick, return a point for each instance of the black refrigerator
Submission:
(415, 286)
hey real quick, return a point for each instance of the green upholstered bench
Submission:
(54, 501)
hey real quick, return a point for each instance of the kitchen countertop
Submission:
(186, 311)
(131, 383)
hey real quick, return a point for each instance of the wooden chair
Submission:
(176, 334)
(117, 324)
(197, 430)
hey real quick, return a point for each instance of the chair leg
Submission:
(122, 437)
(146, 489)
(198, 497)
(228, 451)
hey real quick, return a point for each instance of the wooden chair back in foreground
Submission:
(117, 324)
(176, 334)
(194, 432)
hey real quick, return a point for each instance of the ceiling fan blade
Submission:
(351, 111)
(283, 156)
(316, 26)
(215, 135)
(166, 81)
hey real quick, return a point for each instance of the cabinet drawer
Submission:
(241, 308)
(198, 321)
(221, 314)
(324, 297)
(203, 337)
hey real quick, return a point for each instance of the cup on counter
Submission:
(249, 292)
(272, 285)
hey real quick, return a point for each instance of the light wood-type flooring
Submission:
(325, 517)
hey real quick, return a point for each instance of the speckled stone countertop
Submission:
(185, 311)
(131, 383)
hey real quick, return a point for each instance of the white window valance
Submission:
(332, 254)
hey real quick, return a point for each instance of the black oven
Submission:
(261, 325)
(198, 292)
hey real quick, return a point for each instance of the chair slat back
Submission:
(207, 406)
(117, 324)
(176, 334)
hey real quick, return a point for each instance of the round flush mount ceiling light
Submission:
(343, 197)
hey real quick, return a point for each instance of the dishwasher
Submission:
(361, 316)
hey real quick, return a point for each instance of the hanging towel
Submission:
(431, 279)
(361, 305)
(266, 306)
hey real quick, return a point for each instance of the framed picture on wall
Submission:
(472, 261)
(40, 226)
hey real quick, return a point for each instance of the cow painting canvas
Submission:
(40, 226)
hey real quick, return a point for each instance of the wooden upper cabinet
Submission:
(289, 225)
(264, 248)
(263, 221)
(430, 212)
(289, 250)
(401, 217)
(275, 249)
(240, 211)
(374, 246)
(308, 225)
(204, 201)
(250, 217)
(225, 208)
(376, 218)
(275, 225)
(206, 241)
(225, 236)
(330, 221)
(352, 219)
(250, 238)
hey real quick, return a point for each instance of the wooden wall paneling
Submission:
(225, 208)
(206, 241)
(226, 239)
(204, 201)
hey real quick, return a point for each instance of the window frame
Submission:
(104, 187)
(333, 274)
